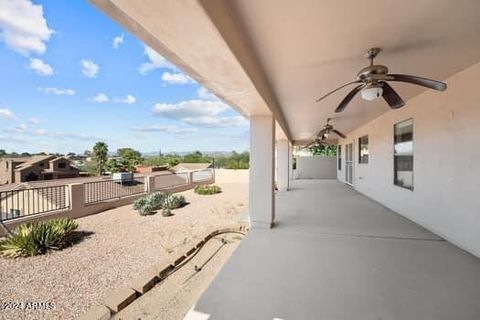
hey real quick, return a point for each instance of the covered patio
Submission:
(335, 254)
(336, 251)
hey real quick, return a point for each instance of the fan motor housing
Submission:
(367, 72)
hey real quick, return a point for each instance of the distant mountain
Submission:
(183, 153)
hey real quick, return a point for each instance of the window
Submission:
(363, 149)
(62, 165)
(403, 154)
(339, 157)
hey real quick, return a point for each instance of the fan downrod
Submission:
(372, 53)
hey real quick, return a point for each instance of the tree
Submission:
(130, 154)
(99, 153)
(324, 150)
(3, 153)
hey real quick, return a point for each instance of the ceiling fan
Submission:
(323, 135)
(373, 84)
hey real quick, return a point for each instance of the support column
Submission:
(283, 163)
(290, 162)
(262, 167)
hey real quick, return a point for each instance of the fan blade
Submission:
(321, 133)
(323, 97)
(309, 145)
(424, 82)
(391, 96)
(338, 133)
(349, 98)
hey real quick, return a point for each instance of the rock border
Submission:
(119, 299)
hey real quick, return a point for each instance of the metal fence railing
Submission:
(24, 202)
(99, 191)
(202, 175)
(171, 180)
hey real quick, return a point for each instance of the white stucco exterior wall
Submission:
(316, 167)
(446, 142)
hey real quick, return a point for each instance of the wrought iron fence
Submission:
(24, 202)
(99, 191)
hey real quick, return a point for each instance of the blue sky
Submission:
(71, 77)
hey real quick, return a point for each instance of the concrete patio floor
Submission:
(335, 254)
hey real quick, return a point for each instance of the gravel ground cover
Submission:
(120, 245)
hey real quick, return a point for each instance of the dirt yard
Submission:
(121, 245)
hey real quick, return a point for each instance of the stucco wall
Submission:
(446, 142)
(316, 168)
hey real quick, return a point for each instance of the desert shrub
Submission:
(146, 210)
(140, 203)
(172, 201)
(208, 189)
(159, 200)
(31, 239)
(156, 200)
(166, 212)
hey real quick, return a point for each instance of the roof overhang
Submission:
(277, 56)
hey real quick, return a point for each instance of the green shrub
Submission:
(146, 210)
(172, 201)
(31, 239)
(166, 212)
(159, 200)
(156, 200)
(209, 189)
(140, 203)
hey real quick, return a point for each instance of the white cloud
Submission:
(89, 68)
(199, 113)
(7, 113)
(40, 132)
(40, 67)
(217, 122)
(21, 128)
(204, 94)
(65, 135)
(155, 61)
(129, 99)
(189, 109)
(23, 27)
(117, 41)
(176, 78)
(165, 128)
(101, 98)
(9, 139)
(57, 91)
(35, 121)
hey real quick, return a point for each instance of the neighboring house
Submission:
(149, 169)
(48, 167)
(185, 167)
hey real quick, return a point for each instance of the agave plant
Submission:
(30, 239)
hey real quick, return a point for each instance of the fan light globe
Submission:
(371, 93)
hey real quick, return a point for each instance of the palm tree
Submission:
(100, 151)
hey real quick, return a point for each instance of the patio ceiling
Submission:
(283, 54)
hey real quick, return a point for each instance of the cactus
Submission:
(156, 200)
(173, 201)
(166, 212)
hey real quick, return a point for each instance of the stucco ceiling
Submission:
(307, 48)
